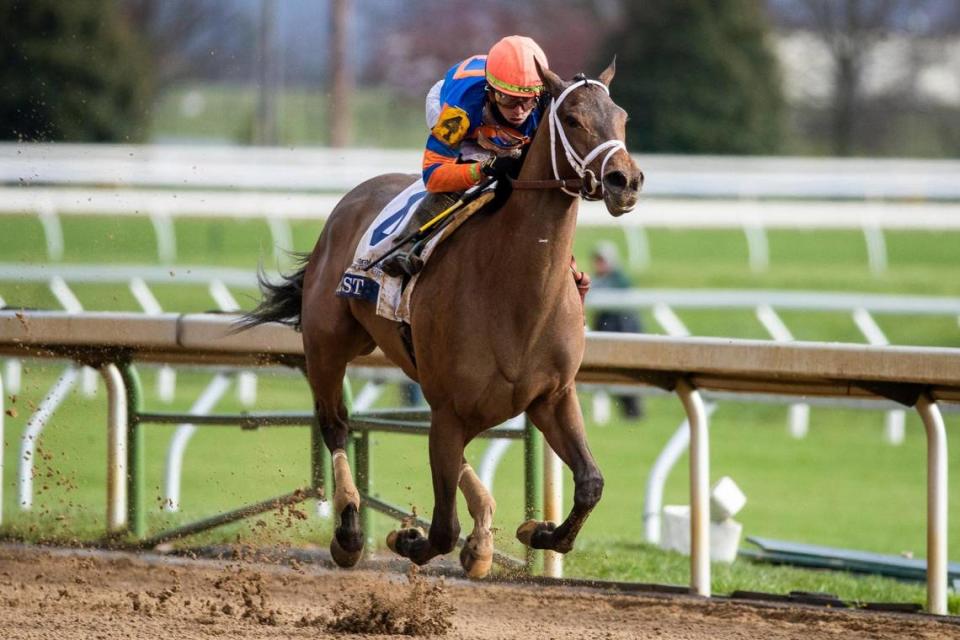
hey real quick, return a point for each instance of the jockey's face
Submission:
(513, 109)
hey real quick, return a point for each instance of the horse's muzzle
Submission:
(621, 191)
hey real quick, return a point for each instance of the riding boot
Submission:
(407, 259)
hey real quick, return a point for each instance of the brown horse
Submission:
(496, 325)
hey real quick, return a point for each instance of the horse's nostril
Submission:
(615, 180)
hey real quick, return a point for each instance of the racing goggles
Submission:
(512, 102)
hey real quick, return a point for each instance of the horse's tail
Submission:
(280, 301)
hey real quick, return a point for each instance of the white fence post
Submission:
(116, 449)
(895, 422)
(638, 247)
(281, 234)
(657, 478)
(798, 415)
(13, 368)
(669, 321)
(52, 230)
(69, 301)
(166, 375)
(936, 505)
(2, 444)
(699, 488)
(178, 443)
(758, 249)
(552, 506)
(873, 235)
(166, 235)
(246, 380)
(31, 433)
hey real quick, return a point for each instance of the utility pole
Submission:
(265, 125)
(339, 118)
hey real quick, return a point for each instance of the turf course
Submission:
(840, 486)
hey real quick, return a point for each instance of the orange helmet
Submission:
(510, 66)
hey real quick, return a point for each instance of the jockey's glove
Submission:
(499, 166)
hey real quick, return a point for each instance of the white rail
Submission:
(846, 302)
(753, 194)
(669, 212)
(314, 169)
(921, 377)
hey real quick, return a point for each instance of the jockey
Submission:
(481, 115)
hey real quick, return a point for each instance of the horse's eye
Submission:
(570, 121)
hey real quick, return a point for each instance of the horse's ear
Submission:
(551, 81)
(607, 76)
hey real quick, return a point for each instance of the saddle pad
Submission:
(389, 295)
(374, 285)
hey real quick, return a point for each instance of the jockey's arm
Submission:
(441, 171)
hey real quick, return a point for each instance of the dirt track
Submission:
(71, 595)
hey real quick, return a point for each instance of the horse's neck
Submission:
(536, 226)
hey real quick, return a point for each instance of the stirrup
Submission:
(402, 263)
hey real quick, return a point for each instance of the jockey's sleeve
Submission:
(441, 171)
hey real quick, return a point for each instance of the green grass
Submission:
(841, 486)
(919, 263)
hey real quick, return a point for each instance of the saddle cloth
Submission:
(391, 297)
(387, 293)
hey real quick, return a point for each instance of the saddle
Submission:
(365, 280)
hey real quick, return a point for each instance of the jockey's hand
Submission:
(499, 166)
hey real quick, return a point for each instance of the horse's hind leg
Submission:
(326, 372)
(476, 557)
(560, 420)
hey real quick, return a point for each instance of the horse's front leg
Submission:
(446, 454)
(559, 418)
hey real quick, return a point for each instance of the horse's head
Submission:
(588, 129)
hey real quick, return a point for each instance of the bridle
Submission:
(587, 185)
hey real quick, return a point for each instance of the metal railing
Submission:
(919, 377)
(662, 303)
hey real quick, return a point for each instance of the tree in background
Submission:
(190, 40)
(698, 76)
(70, 71)
(426, 39)
(859, 118)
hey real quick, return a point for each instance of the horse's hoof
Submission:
(342, 557)
(536, 534)
(476, 558)
(399, 541)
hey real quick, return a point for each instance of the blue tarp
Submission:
(811, 555)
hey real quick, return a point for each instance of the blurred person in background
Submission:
(482, 116)
(608, 274)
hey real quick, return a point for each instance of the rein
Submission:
(586, 185)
